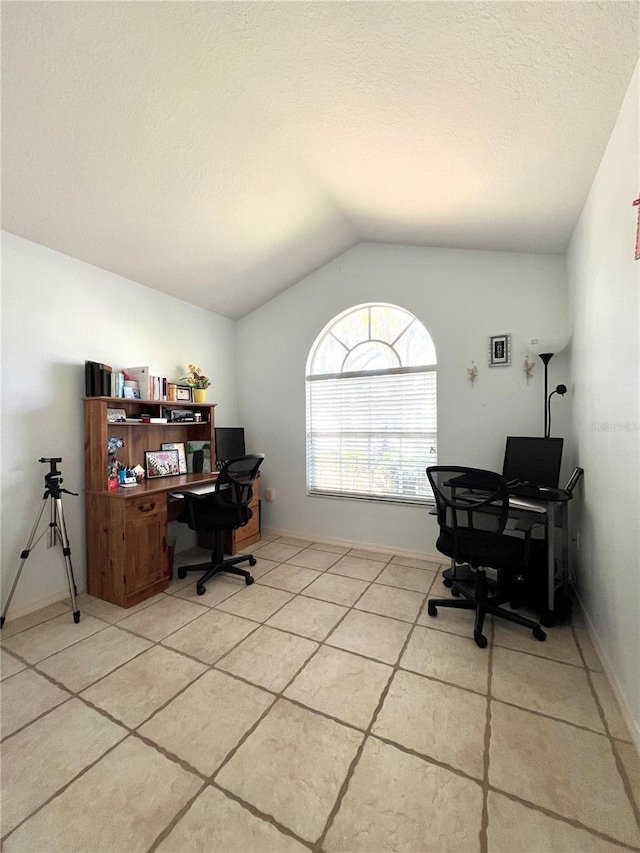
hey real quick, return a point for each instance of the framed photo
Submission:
(161, 463)
(182, 454)
(115, 416)
(180, 415)
(183, 392)
(499, 350)
(131, 393)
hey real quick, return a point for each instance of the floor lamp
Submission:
(546, 349)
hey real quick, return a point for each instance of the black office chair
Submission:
(223, 509)
(472, 507)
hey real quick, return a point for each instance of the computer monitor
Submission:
(229, 443)
(533, 460)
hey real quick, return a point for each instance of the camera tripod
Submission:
(57, 531)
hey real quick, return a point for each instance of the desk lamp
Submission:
(546, 348)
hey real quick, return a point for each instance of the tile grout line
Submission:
(484, 819)
(367, 734)
(574, 822)
(214, 665)
(620, 767)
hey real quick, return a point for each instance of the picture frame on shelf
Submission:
(161, 463)
(115, 416)
(183, 393)
(131, 393)
(499, 350)
(182, 453)
(181, 415)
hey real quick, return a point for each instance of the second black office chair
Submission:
(472, 507)
(224, 509)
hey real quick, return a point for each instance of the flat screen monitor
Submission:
(229, 443)
(533, 460)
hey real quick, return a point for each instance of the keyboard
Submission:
(198, 490)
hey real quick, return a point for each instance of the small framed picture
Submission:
(182, 454)
(183, 392)
(115, 416)
(161, 463)
(131, 393)
(499, 350)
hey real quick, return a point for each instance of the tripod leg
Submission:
(66, 551)
(23, 556)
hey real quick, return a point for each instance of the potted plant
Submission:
(198, 382)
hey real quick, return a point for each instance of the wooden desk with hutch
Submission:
(126, 528)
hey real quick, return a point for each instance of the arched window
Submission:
(371, 406)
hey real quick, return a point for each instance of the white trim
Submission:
(625, 710)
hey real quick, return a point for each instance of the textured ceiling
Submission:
(220, 151)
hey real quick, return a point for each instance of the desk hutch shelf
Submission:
(126, 528)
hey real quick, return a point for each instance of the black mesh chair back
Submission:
(227, 507)
(223, 509)
(472, 509)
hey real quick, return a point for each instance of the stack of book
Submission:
(101, 380)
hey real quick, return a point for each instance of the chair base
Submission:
(476, 598)
(214, 568)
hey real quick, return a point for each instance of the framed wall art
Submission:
(499, 350)
(161, 463)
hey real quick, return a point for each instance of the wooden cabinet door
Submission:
(145, 545)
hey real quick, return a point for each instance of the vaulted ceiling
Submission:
(220, 151)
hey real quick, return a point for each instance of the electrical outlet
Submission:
(269, 494)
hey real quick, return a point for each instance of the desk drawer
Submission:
(249, 530)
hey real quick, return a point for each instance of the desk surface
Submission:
(160, 485)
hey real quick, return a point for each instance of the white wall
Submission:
(604, 286)
(462, 297)
(57, 312)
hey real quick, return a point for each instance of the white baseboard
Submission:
(18, 612)
(367, 546)
(632, 724)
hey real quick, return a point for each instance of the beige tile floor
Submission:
(319, 709)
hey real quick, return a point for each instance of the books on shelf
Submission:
(97, 379)
(101, 380)
(141, 376)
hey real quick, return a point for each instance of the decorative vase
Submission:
(199, 395)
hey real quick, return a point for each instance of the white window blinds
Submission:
(372, 434)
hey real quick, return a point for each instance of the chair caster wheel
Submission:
(182, 573)
(539, 634)
(432, 610)
(252, 561)
(248, 580)
(480, 639)
(455, 592)
(448, 582)
(201, 590)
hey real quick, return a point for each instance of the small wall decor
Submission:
(636, 203)
(473, 372)
(499, 350)
(528, 368)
